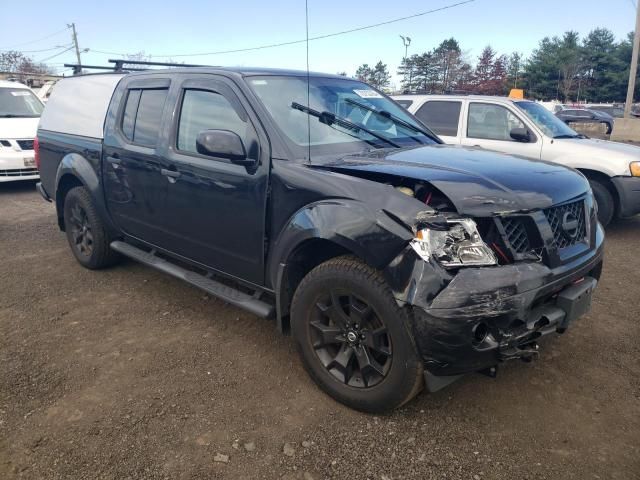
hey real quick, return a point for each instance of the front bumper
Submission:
(17, 165)
(513, 305)
(628, 189)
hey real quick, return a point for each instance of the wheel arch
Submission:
(605, 180)
(326, 230)
(76, 170)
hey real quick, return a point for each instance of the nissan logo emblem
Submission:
(570, 225)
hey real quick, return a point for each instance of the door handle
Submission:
(169, 173)
(114, 160)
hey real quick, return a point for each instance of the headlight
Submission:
(635, 169)
(459, 245)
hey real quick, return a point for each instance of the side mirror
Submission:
(520, 135)
(223, 144)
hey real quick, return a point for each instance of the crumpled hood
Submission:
(478, 182)
(18, 128)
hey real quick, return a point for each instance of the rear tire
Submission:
(605, 201)
(86, 232)
(353, 338)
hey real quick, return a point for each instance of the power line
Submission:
(39, 39)
(55, 55)
(294, 42)
(38, 51)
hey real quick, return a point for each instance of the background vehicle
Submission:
(318, 200)
(20, 111)
(583, 115)
(526, 128)
(614, 110)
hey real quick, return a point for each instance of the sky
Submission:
(169, 29)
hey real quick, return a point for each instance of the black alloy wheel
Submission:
(350, 340)
(353, 337)
(81, 231)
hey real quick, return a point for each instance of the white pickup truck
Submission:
(526, 128)
(20, 111)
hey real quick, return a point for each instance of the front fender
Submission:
(376, 237)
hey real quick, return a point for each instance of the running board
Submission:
(217, 289)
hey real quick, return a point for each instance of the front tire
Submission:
(353, 338)
(604, 200)
(86, 232)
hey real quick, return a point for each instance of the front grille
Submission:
(569, 215)
(19, 172)
(25, 144)
(516, 234)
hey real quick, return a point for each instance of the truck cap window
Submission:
(441, 116)
(143, 114)
(206, 110)
(342, 115)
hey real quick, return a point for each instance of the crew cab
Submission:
(395, 261)
(526, 128)
(20, 111)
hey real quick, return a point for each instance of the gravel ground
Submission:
(128, 373)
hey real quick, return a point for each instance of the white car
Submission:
(526, 128)
(20, 111)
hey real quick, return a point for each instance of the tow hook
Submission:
(526, 353)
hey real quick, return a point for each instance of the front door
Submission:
(215, 209)
(489, 125)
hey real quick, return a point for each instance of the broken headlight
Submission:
(458, 244)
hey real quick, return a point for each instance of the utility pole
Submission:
(634, 66)
(75, 43)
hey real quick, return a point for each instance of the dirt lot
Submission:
(127, 373)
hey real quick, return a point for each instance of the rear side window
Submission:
(206, 110)
(441, 116)
(143, 114)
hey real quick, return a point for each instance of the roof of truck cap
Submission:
(457, 96)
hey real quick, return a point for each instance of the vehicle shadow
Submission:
(18, 186)
(624, 225)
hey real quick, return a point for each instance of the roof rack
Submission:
(119, 66)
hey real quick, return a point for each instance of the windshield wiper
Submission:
(393, 118)
(577, 135)
(330, 119)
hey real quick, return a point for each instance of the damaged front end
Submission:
(478, 299)
(495, 262)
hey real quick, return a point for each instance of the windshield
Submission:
(547, 121)
(19, 102)
(342, 116)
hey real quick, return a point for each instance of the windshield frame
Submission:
(544, 129)
(26, 92)
(334, 149)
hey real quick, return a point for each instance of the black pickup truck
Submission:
(394, 260)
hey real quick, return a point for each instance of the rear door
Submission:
(214, 212)
(133, 154)
(443, 117)
(488, 125)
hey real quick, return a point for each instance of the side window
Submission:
(441, 116)
(205, 110)
(491, 122)
(405, 103)
(143, 114)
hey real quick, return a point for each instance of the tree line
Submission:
(567, 68)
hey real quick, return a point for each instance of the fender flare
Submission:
(84, 171)
(375, 237)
